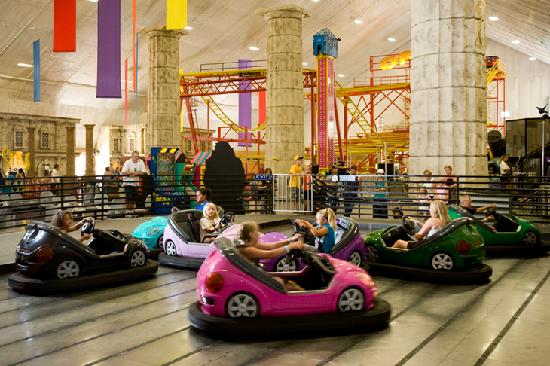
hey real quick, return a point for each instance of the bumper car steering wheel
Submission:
(88, 226)
(409, 226)
(308, 238)
(227, 219)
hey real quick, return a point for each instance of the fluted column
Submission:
(448, 82)
(285, 90)
(90, 168)
(70, 166)
(163, 122)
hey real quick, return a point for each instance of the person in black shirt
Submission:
(466, 203)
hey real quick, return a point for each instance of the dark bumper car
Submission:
(49, 261)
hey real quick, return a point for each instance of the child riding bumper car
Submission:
(181, 239)
(237, 298)
(453, 254)
(504, 233)
(48, 260)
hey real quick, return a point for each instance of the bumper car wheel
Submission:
(242, 305)
(67, 269)
(442, 261)
(371, 253)
(170, 248)
(159, 241)
(283, 265)
(351, 299)
(530, 238)
(138, 258)
(355, 258)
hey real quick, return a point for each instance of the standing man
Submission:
(351, 192)
(294, 183)
(131, 170)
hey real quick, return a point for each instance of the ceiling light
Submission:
(391, 39)
(188, 27)
(93, 1)
(253, 48)
(358, 21)
(304, 63)
(532, 58)
(340, 75)
(515, 41)
(315, 1)
(493, 18)
(21, 64)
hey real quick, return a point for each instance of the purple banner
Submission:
(108, 49)
(245, 102)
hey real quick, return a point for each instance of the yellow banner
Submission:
(176, 14)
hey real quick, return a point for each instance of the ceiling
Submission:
(223, 30)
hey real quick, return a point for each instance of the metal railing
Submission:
(362, 196)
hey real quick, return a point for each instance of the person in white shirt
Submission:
(131, 170)
(504, 167)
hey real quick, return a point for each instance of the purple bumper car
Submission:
(236, 298)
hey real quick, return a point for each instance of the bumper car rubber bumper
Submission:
(476, 274)
(24, 284)
(269, 327)
(514, 250)
(179, 262)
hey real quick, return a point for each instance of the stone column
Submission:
(448, 81)
(31, 147)
(90, 168)
(70, 145)
(285, 90)
(163, 122)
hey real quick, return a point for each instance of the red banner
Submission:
(64, 26)
(261, 108)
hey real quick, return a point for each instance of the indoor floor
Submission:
(504, 322)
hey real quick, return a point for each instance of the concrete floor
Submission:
(504, 322)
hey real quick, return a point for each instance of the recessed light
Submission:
(391, 39)
(532, 58)
(341, 75)
(304, 63)
(493, 18)
(22, 64)
(358, 21)
(515, 41)
(315, 1)
(93, 1)
(188, 27)
(253, 48)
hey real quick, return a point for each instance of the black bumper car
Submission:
(49, 261)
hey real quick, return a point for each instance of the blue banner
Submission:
(36, 70)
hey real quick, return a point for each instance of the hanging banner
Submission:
(108, 49)
(331, 117)
(36, 69)
(176, 14)
(136, 79)
(64, 26)
(245, 104)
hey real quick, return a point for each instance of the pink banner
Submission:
(322, 111)
(330, 111)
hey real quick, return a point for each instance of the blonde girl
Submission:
(209, 223)
(325, 231)
(439, 218)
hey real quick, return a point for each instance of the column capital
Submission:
(162, 31)
(89, 126)
(285, 11)
(31, 129)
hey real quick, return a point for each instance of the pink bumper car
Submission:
(236, 297)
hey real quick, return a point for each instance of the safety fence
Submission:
(363, 196)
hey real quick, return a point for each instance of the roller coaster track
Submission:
(224, 118)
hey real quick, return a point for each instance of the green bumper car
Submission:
(506, 233)
(452, 255)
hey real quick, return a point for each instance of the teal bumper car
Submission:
(151, 233)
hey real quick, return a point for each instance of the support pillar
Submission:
(285, 90)
(70, 166)
(163, 121)
(90, 168)
(31, 146)
(448, 80)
